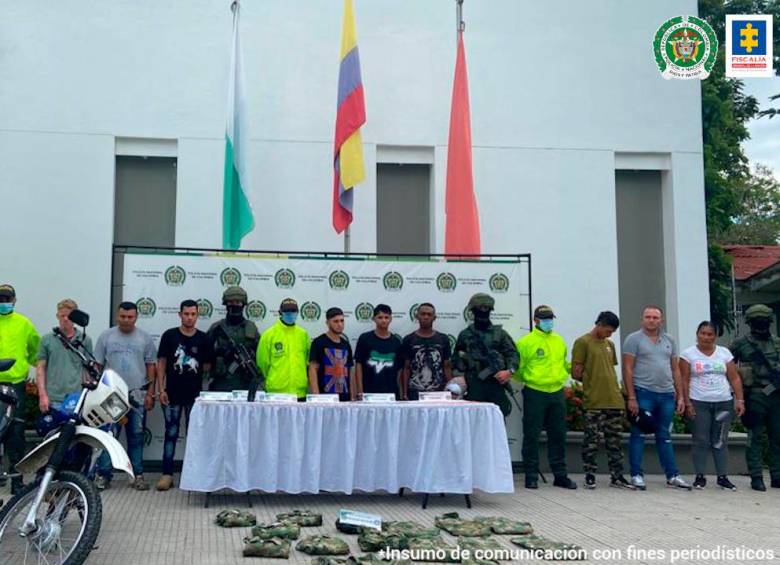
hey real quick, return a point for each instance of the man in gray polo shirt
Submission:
(652, 381)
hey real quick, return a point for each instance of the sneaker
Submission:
(700, 482)
(590, 481)
(140, 483)
(564, 482)
(725, 483)
(620, 481)
(757, 483)
(165, 482)
(102, 483)
(638, 481)
(677, 482)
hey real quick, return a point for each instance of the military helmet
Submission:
(758, 311)
(234, 293)
(481, 299)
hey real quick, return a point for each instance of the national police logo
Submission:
(338, 280)
(310, 311)
(146, 307)
(446, 282)
(499, 282)
(685, 47)
(413, 312)
(255, 310)
(230, 277)
(453, 341)
(205, 308)
(284, 278)
(364, 312)
(393, 281)
(175, 276)
(468, 315)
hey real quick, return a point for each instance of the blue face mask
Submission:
(546, 325)
(6, 308)
(289, 317)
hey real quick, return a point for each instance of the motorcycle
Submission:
(8, 403)
(56, 519)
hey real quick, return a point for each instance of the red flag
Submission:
(462, 216)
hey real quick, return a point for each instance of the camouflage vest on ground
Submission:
(758, 359)
(227, 374)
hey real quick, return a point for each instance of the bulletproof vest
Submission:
(245, 334)
(758, 359)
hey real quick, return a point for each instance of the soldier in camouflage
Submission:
(227, 373)
(758, 357)
(486, 356)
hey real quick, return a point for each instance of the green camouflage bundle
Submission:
(235, 519)
(539, 543)
(348, 528)
(259, 547)
(323, 545)
(373, 559)
(505, 526)
(478, 562)
(284, 530)
(433, 545)
(334, 561)
(371, 540)
(301, 517)
(484, 544)
(454, 525)
(410, 530)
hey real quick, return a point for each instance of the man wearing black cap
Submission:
(544, 370)
(283, 353)
(330, 360)
(19, 341)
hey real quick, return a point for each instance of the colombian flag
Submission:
(348, 167)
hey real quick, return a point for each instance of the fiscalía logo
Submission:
(749, 47)
(255, 310)
(205, 308)
(446, 282)
(310, 311)
(230, 277)
(685, 47)
(338, 280)
(364, 312)
(284, 278)
(175, 276)
(413, 311)
(146, 307)
(393, 281)
(499, 282)
(468, 315)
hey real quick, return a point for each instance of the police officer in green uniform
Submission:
(485, 355)
(758, 357)
(227, 373)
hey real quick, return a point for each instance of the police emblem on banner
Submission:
(685, 47)
(364, 312)
(499, 282)
(205, 308)
(413, 312)
(284, 278)
(146, 307)
(175, 276)
(311, 311)
(338, 280)
(468, 315)
(255, 310)
(446, 282)
(230, 277)
(393, 281)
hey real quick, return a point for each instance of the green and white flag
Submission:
(237, 217)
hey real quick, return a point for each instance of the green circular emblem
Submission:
(468, 315)
(453, 341)
(413, 311)
(284, 278)
(393, 281)
(685, 47)
(230, 277)
(446, 282)
(364, 312)
(205, 308)
(310, 311)
(255, 310)
(175, 276)
(338, 280)
(499, 282)
(146, 307)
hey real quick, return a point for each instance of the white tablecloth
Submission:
(453, 447)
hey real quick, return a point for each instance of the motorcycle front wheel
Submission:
(67, 523)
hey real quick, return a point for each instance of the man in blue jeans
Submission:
(652, 381)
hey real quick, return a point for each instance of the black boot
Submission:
(757, 483)
(564, 482)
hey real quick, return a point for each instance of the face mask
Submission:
(289, 318)
(546, 325)
(6, 308)
(481, 319)
(761, 325)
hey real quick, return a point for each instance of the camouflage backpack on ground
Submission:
(235, 519)
(259, 547)
(537, 542)
(371, 540)
(301, 517)
(505, 526)
(432, 546)
(323, 545)
(348, 528)
(454, 525)
(410, 530)
(283, 530)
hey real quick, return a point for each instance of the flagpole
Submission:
(460, 25)
(346, 239)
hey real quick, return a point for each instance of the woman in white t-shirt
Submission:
(713, 393)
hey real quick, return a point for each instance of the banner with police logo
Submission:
(157, 283)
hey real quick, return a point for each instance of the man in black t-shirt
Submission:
(330, 360)
(426, 356)
(376, 368)
(184, 357)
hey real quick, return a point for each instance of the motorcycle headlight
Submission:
(114, 406)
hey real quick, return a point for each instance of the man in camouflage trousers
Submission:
(758, 357)
(485, 354)
(227, 373)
